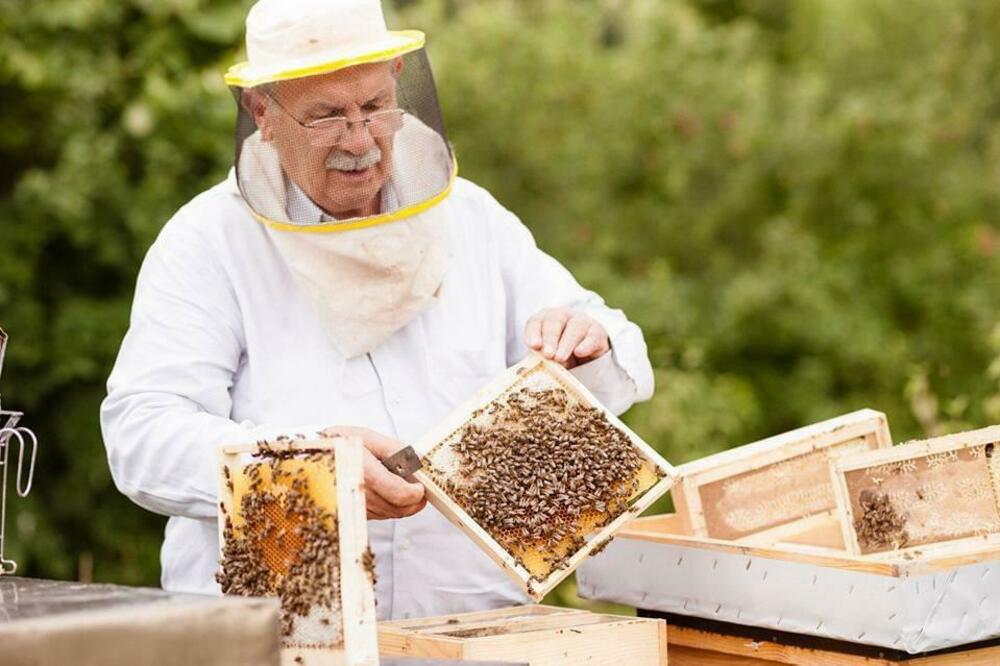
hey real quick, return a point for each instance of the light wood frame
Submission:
(693, 476)
(668, 529)
(357, 593)
(538, 635)
(457, 515)
(908, 451)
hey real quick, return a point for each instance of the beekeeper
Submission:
(343, 278)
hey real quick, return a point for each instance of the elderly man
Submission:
(342, 279)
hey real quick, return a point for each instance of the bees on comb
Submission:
(539, 471)
(280, 538)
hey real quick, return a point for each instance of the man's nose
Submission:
(357, 140)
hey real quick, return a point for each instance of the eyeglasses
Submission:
(331, 130)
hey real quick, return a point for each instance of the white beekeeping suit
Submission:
(264, 308)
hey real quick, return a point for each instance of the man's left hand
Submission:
(566, 336)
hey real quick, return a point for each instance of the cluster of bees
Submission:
(879, 525)
(287, 546)
(533, 464)
(368, 564)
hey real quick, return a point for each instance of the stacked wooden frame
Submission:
(761, 491)
(537, 635)
(938, 495)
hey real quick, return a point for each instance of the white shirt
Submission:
(300, 207)
(222, 349)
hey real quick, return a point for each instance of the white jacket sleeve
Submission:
(535, 281)
(168, 402)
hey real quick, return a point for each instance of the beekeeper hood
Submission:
(341, 154)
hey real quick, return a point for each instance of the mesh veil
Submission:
(358, 146)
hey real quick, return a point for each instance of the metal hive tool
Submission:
(538, 552)
(9, 432)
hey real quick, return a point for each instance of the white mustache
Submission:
(342, 160)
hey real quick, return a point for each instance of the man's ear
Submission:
(255, 103)
(397, 67)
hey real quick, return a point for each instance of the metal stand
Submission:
(22, 485)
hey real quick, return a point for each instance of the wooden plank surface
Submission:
(681, 655)
(714, 648)
(498, 614)
(631, 641)
(696, 647)
(542, 636)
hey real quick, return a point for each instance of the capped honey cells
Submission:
(281, 540)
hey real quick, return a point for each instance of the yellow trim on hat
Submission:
(363, 223)
(414, 39)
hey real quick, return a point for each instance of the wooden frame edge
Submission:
(357, 592)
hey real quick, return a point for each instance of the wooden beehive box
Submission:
(932, 492)
(537, 504)
(920, 601)
(292, 524)
(760, 491)
(538, 635)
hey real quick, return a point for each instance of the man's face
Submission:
(344, 179)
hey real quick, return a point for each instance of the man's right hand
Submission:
(386, 495)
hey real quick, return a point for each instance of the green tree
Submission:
(796, 200)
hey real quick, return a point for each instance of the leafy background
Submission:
(796, 199)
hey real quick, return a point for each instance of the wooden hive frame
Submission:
(360, 644)
(820, 545)
(697, 480)
(907, 458)
(538, 635)
(495, 390)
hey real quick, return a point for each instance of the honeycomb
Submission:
(541, 414)
(541, 560)
(281, 539)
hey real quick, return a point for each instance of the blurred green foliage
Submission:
(798, 202)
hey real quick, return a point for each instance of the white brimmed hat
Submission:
(290, 39)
